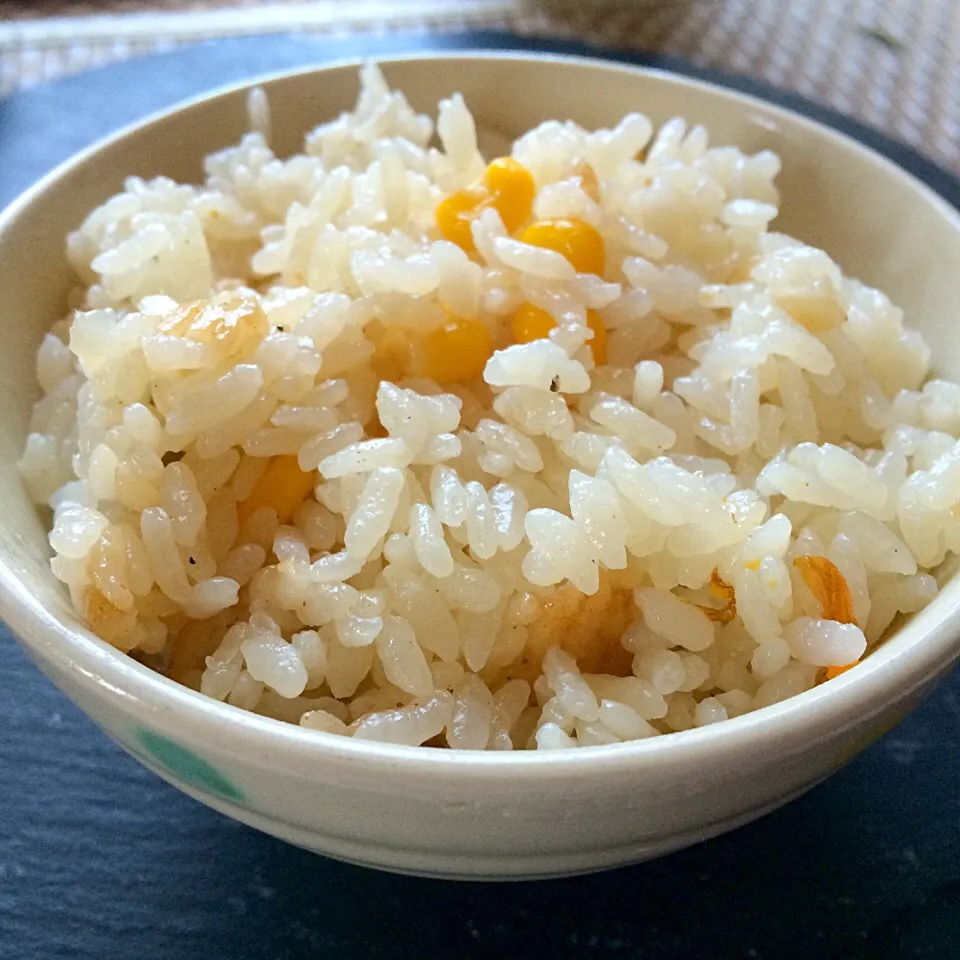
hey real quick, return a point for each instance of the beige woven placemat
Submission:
(894, 64)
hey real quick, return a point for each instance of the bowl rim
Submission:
(899, 666)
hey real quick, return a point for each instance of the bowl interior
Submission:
(879, 223)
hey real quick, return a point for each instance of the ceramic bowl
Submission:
(466, 814)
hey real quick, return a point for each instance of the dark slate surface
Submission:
(99, 859)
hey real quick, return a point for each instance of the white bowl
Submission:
(466, 814)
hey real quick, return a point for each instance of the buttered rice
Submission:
(566, 448)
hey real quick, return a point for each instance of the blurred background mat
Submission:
(894, 64)
(99, 860)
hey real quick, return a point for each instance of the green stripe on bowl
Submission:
(188, 766)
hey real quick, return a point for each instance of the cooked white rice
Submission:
(544, 556)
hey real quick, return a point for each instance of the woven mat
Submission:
(894, 64)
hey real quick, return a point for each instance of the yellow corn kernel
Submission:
(455, 352)
(283, 486)
(575, 239)
(507, 186)
(531, 323)
(831, 672)
(232, 324)
(512, 188)
(456, 212)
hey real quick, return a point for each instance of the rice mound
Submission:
(253, 494)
